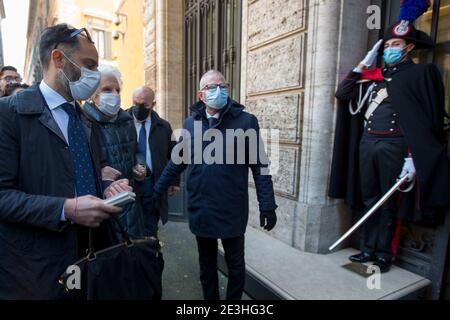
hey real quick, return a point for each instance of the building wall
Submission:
(130, 47)
(2, 16)
(274, 43)
(150, 43)
(163, 57)
(127, 50)
(39, 12)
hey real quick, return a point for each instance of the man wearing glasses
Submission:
(218, 190)
(8, 76)
(51, 171)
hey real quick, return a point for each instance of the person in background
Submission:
(8, 76)
(154, 137)
(15, 88)
(118, 141)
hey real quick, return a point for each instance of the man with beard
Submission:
(8, 76)
(51, 171)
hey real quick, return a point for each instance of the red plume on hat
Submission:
(410, 10)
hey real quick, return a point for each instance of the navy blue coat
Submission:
(36, 176)
(218, 193)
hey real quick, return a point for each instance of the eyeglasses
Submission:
(73, 34)
(12, 79)
(215, 86)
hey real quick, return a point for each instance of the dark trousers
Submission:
(151, 218)
(234, 257)
(381, 162)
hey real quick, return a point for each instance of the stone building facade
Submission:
(116, 28)
(2, 16)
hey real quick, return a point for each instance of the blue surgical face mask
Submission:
(217, 98)
(393, 55)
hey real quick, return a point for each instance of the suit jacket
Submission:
(161, 145)
(36, 176)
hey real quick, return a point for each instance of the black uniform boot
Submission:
(384, 264)
(362, 257)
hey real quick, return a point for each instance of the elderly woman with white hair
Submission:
(118, 142)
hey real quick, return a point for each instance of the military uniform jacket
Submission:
(416, 92)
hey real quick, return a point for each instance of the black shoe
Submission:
(362, 257)
(384, 264)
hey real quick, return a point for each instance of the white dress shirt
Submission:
(148, 127)
(217, 115)
(54, 101)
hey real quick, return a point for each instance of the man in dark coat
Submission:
(154, 138)
(51, 172)
(394, 128)
(217, 181)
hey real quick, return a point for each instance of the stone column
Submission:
(150, 43)
(337, 38)
(169, 61)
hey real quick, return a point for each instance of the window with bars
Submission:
(212, 41)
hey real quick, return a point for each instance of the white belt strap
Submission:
(381, 96)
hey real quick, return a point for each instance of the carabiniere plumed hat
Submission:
(410, 10)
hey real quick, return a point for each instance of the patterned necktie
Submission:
(142, 141)
(81, 155)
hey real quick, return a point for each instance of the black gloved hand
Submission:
(268, 219)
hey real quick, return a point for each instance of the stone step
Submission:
(295, 275)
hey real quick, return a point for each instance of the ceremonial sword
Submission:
(377, 206)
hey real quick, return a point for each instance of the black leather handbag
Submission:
(131, 270)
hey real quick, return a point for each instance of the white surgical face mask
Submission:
(84, 87)
(109, 104)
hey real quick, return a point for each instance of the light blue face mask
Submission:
(393, 55)
(217, 98)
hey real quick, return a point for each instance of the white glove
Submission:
(408, 169)
(371, 56)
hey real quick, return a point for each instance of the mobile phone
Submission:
(121, 199)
